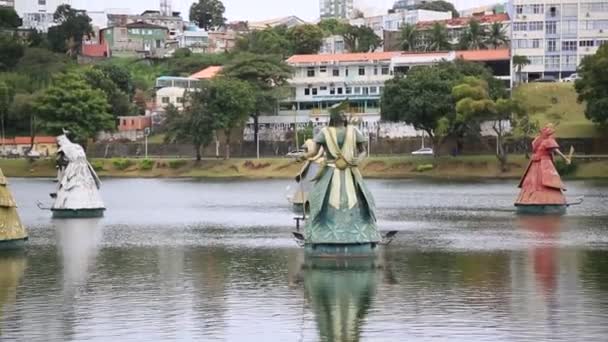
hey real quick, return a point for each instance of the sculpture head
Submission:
(548, 130)
(337, 116)
(62, 140)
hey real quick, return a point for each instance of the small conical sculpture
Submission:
(12, 232)
(78, 184)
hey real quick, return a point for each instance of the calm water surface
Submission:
(206, 260)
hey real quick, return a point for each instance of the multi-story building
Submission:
(38, 14)
(136, 39)
(341, 9)
(556, 35)
(172, 21)
(7, 3)
(401, 5)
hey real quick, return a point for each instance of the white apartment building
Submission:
(7, 3)
(556, 35)
(341, 9)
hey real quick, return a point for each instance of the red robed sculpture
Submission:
(541, 185)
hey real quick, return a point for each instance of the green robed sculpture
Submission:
(342, 218)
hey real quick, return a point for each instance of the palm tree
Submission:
(474, 36)
(519, 62)
(438, 38)
(408, 37)
(496, 35)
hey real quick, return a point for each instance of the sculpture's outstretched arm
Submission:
(566, 158)
(362, 153)
(311, 153)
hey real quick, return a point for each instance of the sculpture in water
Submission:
(78, 185)
(305, 178)
(541, 186)
(12, 232)
(342, 215)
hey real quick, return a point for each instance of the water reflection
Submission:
(12, 267)
(341, 293)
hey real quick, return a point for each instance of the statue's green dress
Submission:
(342, 210)
(11, 228)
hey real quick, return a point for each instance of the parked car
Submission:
(426, 151)
(295, 153)
(571, 78)
(545, 79)
(33, 154)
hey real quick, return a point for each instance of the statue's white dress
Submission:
(78, 183)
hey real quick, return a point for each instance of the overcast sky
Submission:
(255, 9)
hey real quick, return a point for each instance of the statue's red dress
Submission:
(541, 183)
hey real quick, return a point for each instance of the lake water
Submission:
(214, 260)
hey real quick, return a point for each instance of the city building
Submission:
(457, 26)
(136, 39)
(172, 90)
(222, 40)
(497, 8)
(339, 9)
(172, 21)
(19, 146)
(557, 35)
(7, 3)
(195, 40)
(333, 45)
(401, 5)
(289, 21)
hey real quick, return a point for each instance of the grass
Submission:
(462, 167)
(558, 100)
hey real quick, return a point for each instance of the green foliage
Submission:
(72, 104)
(438, 38)
(518, 63)
(474, 36)
(331, 26)
(208, 14)
(565, 169)
(117, 99)
(119, 75)
(441, 6)
(424, 167)
(40, 65)
(360, 38)
(271, 40)
(98, 165)
(9, 18)
(188, 64)
(182, 53)
(122, 164)
(146, 164)
(496, 36)
(10, 52)
(409, 36)
(73, 26)
(592, 88)
(177, 164)
(305, 39)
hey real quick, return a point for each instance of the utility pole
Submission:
(146, 133)
(295, 126)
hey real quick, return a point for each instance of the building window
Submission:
(165, 99)
(385, 70)
(536, 43)
(306, 91)
(536, 60)
(42, 2)
(518, 27)
(375, 70)
(323, 88)
(332, 91)
(340, 91)
(552, 62)
(310, 72)
(348, 90)
(569, 45)
(336, 72)
(180, 100)
(361, 71)
(553, 11)
(586, 43)
(535, 26)
(519, 9)
(538, 9)
(357, 90)
(373, 90)
(314, 91)
(551, 45)
(365, 90)
(569, 61)
(569, 26)
(323, 69)
(551, 27)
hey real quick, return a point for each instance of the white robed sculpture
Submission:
(78, 184)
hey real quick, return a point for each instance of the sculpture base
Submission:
(541, 209)
(78, 213)
(12, 244)
(341, 250)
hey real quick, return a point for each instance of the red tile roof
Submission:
(463, 21)
(342, 57)
(28, 140)
(207, 73)
(484, 55)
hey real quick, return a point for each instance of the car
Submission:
(295, 153)
(425, 151)
(545, 79)
(33, 154)
(571, 78)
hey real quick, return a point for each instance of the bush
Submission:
(176, 164)
(122, 164)
(97, 165)
(146, 164)
(564, 169)
(424, 167)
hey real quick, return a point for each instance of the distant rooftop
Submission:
(207, 73)
(463, 21)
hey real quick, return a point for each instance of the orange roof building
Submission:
(207, 73)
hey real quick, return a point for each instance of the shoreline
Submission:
(483, 167)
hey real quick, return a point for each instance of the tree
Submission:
(267, 74)
(70, 103)
(592, 88)
(119, 75)
(9, 19)
(231, 102)
(194, 124)
(271, 40)
(73, 26)
(440, 6)
(360, 38)
(11, 52)
(438, 38)
(40, 65)
(474, 37)
(518, 63)
(208, 14)
(117, 99)
(496, 36)
(409, 37)
(331, 26)
(305, 39)
(5, 101)
(21, 114)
